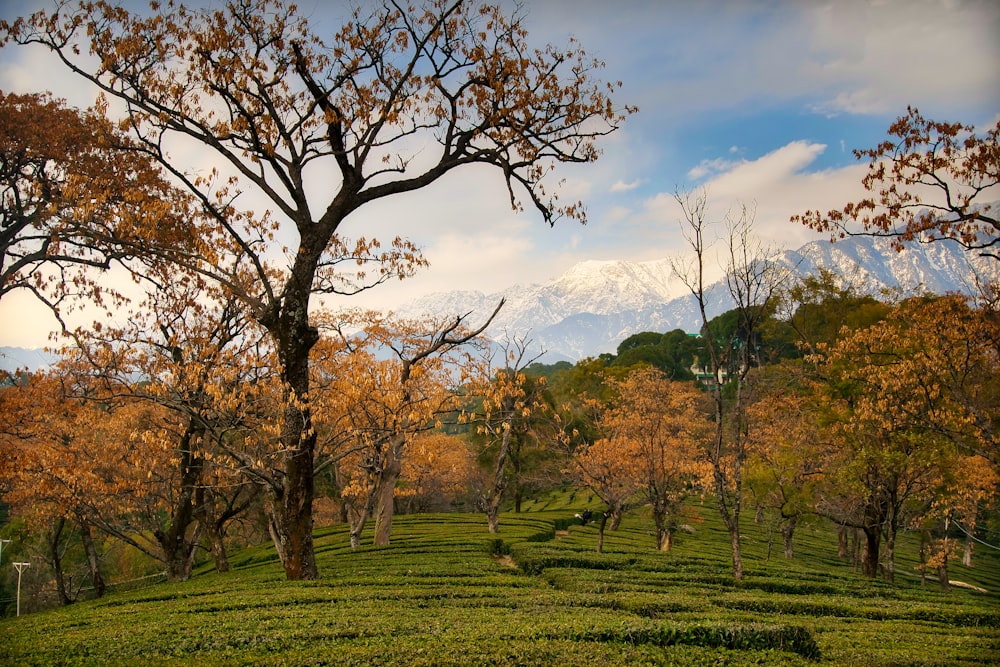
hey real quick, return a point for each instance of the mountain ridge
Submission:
(596, 304)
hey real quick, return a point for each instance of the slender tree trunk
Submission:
(213, 524)
(925, 538)
(945, 555)
(272, 525)
(787, 532)
(174, 540)
(666, 540)
(217, 545)
(891, 522)
(53, 544)
(357, 517)
(967, 542)
(734, 540)
(661, 521)
(600, 532)
(93, 559)
(495, 493)
(730, 516)
(842, 542)
(942, 568)
(889, 566)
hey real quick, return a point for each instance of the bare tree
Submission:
(753, 279)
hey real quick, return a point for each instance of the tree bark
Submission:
(495, 493)
(292, 516)
(787, 532)
(385, 494)
(665, 540)
(93, 559)
(53, 539)
(616, 514)
(734, 541)
(869, 560)
(178, 547)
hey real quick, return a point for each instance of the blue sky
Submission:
(760, 102)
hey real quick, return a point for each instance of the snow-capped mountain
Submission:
(13, 359)
(595, 305)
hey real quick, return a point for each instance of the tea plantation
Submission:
(448, 593)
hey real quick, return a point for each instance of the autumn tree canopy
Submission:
(70, 200)
(655, 436)
(317, 128)
(930, 180)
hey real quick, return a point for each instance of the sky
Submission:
(758, 102)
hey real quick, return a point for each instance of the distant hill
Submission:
(22, 358)
(597, 304)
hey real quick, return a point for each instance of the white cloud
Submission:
(622, 186)
(777, 185)
(713, 166)
(880, 57)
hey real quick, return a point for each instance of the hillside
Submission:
(447, 593)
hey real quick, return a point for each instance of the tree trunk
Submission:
(734, 540)
(600, 532)
(218, 547)
(925, 539)
(213, 524)
(665, 541)
(842, 544)
(942, 568)
(967, 551)
(661, 521)
(787, 532)
(616, 514)
(93, 559)
(385, 490)
(292, 515)
(890, 550)
(214, 529)
(495, 493)
(53, 545)
(271, 511)
(174, 540)
(869, 560)
(731, 517)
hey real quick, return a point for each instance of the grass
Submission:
(445, 592)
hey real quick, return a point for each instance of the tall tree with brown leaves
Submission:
(280, 110)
